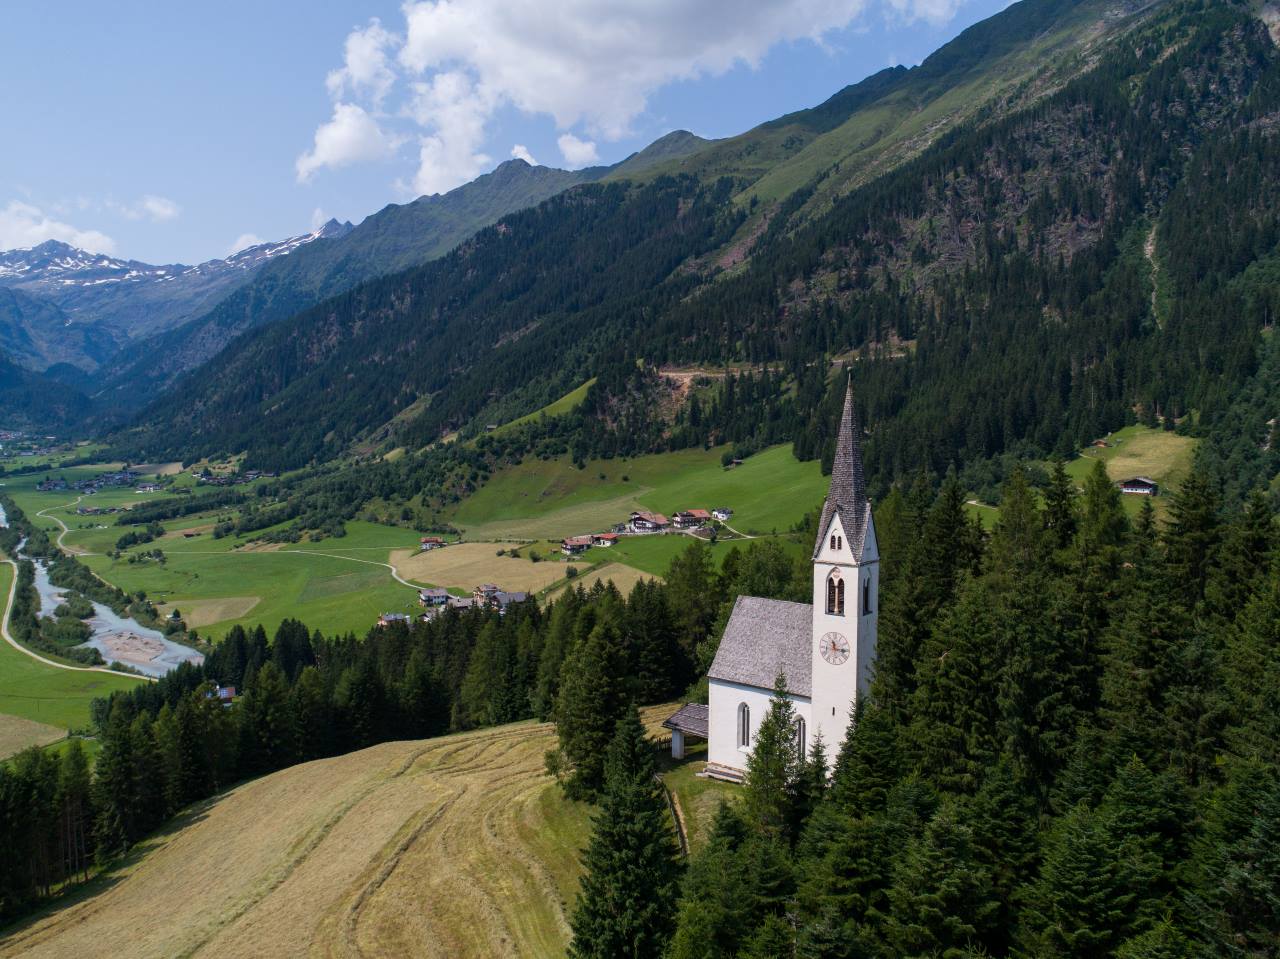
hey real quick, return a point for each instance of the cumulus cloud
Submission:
(590, 65)
(243, 242)
(521, 152)
(450, 106)
(577, 152)
(352, 135)
(366, 68)
(24, 225)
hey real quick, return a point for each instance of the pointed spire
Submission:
(848, 493)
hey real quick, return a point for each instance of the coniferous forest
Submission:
(1071, 749)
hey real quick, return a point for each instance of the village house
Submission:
(429, 543)
(1140, 485)
(722, 513)
(691, 519)
(643, 521)
(604, 539)
(433, 596)
(387, 619)
(825, 651)
(574, 545)
(148, 488)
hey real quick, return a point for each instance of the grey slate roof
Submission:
(848, 494)
(690, 719)
(766, 637)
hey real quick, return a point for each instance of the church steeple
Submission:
(847, 497)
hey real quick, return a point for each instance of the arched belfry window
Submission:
(866, 596)
(800, 738)
(744, 725)
(835, 593)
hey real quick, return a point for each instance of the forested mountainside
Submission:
(33, 401)
(389, 241)
(36, 334)
(1030, 281)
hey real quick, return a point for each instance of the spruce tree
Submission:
(715, 901)
(1192, 538)
(773, 768)
(627, 903)
(594, 694)
(115, 787)
(941, 899)
(1060, 507)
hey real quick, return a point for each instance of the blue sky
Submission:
(177, 132)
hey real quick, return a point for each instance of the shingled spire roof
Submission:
(848, 494)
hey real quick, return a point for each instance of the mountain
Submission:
(396, 237)
(32, 401)
(997, 287)
(110, 301)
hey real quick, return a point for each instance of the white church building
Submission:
(825, 650)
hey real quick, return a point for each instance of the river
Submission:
(120, 639)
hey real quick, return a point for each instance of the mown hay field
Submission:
(465, 565)
(458, 846)
(16, 734)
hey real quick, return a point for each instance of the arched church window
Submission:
(835, 594)
(744, 725)
(833, 540)
(800, 737)
(866, 596)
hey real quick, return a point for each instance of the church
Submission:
(825, 650)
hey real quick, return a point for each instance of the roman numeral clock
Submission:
(834, 648)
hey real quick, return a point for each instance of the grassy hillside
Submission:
(1140, 451)
(551, 498)
(459, 846)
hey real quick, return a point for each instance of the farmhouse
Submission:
(691, 518)
(645, 522)
(387, 619)
(429, 543)
(499, 599)
(824, 651)
(574, 545)
(433, 596)
(1140, 485)
(604, 539)
(722, 513)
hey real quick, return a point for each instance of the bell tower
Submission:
(846, 587)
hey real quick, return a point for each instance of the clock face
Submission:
(834, 648)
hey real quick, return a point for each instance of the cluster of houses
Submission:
(434, 600)
(59, 484)
(647, 523)
(207, 478)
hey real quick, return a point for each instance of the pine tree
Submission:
(115, 798)
(267, 722)
(594, 693)
(626, 906)
(1192, 538)
(773, 768)
(715, 901)
(1060, 507)
(941, 898)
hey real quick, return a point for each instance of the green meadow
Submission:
(1140, 451)
(57, 697)
(539, 499)
(335, 585)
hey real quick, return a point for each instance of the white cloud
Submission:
(577, 152)
(244, 241)
(590, 65)
(934, 11)
(595, 62)
(157, 209)
(318, 218)
(366, 68)
(351, 136)
(521, 152)
(23, 225)
(449, 105)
